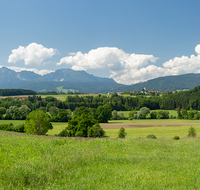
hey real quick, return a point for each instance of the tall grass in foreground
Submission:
(41, 163)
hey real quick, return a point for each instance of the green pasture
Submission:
(155, 121)
(171, 112)
(169, 131)
(28, 162)
(181, 131)
(57, 128)
(15, 122)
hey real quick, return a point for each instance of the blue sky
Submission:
(127, 40)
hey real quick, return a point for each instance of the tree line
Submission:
(18, 109)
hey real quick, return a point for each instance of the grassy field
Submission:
(171, 112)
(28, 162)
(171, 127)
(135, 128)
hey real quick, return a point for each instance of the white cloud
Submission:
(185, 64)
(124, 68)
(111, 58)
(40, 72)
(33, 54)
(197, 49)
(131, 68)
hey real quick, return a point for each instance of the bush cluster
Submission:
(176, 137)
(145, 113)
(151, 136)
(192, 132)
(122, 133)
(11, 127)
(191, 114)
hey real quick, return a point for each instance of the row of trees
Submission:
(83, 124)
(185, 100)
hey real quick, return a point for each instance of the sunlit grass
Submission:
(181, 131)
(136, 163)
(171, 112)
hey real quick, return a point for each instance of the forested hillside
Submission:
(15, 92)
(168, 83)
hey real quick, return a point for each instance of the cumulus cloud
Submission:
(33, 54)
(111, 58)
(124, 68)
(128, 68)
(40, 72)
(185, 64)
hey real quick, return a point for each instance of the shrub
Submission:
(197, 116)
(162, 114)
(143, 112)
(192, 132)
(121, 116)
(148, 116)
(7, 127)
(114, 115)
(131, 114)
(96, 131)
(63, 133)
(79, 134)
(184, 114)
(176, 137)
(151, 136)
(191, 114)
(20, 128)
(122, 133)
(153, 114)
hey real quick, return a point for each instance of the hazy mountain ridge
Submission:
(68, 78)
(87, 83)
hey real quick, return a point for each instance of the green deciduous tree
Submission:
(24, 110)
(96, 131)
(143, 112)
(104, 113)
(10, 112)
(53, 110)
(37, 123)
(114, 115)
(84, 125)
(2, 111)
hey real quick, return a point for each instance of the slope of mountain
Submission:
(69, 75)
(168, 83)
(7, 75)
(84, 82)
(67, 78)
(10, 76)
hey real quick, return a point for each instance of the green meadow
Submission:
(29, 162)
(171, 112)
(158, 127)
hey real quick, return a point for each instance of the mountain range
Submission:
(60, 80)
(69, 80)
